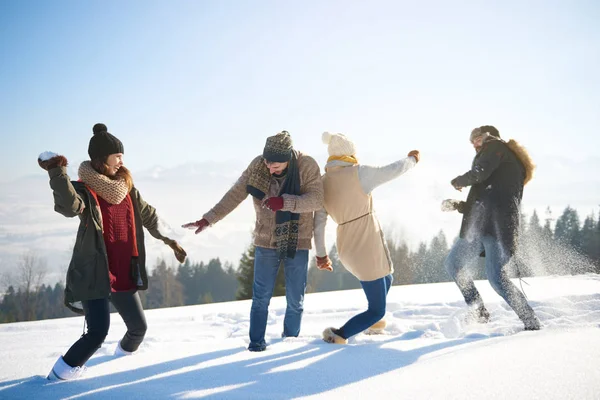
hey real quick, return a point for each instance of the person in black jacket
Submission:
(490, 223)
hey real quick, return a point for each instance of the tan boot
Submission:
(377, 328)
(330, 336)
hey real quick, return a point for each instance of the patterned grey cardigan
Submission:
(310, 200)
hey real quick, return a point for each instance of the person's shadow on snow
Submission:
(307, 370)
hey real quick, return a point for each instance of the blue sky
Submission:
(192, 81)
(195, 87)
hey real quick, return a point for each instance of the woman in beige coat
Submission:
(360, 242)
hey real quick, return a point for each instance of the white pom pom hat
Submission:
(338, 144)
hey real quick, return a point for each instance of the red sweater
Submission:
(119, 238)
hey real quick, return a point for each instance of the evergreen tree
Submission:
(185, 274)
(567, 228)
(221, 288)
(401, 260)
(547, 230)
(164, 290)
(245, 274)
(590, 240)
(418, 262)
(535, 228)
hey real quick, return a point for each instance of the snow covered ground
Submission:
(426, 352)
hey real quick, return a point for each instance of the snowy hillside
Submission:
(199, 351)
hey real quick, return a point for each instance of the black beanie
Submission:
(103, 144)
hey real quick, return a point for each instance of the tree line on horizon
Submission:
(566, 247)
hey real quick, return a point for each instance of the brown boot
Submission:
(331, 335)
(377, 328)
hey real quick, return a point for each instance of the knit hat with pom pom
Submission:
(103, 144)
(338, 144)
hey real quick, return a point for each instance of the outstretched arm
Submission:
(372, 177)
(231, 199)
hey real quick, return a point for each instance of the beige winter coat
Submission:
(360, 243)
(310, 200)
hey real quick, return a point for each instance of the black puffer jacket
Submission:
(493, 205)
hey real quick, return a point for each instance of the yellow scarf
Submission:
(350, 159)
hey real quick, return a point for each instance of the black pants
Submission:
(97, 317)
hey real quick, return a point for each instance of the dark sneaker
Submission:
(532, 324)
(257, 346)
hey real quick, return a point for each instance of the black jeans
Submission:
(97, 317)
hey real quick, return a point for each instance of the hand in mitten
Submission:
(324, 263)
(454, 183)
(180, 253)
(199, 225)
(48, 160)
(273, 203)
(450, 205)
(415, 154)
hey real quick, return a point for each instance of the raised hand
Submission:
(199, 225)
(416, 154)
(48, 160)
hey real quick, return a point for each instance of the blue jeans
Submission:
(466, 252)
(376, 292)
(266, 265)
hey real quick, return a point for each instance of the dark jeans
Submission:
(97, 317)
(376, 292)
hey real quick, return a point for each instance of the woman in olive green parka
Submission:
(109, 258)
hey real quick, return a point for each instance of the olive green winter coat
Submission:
(87, 276)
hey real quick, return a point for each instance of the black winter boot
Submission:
(532, 324)
(482, 315)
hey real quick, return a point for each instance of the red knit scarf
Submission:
(130, 206)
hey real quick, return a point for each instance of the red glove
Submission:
(200, 225)
(273, 203)
(56, 161)
(415, 154)
(324, 263)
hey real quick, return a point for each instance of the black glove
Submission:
(454, 183)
